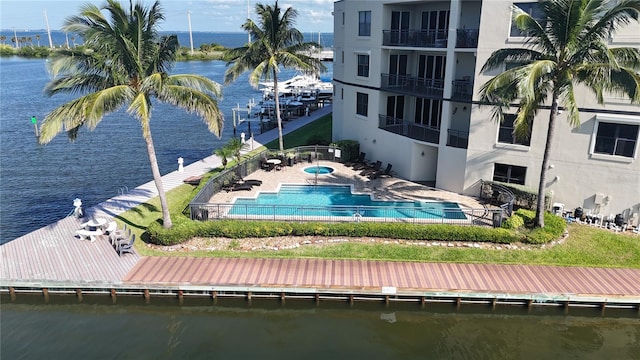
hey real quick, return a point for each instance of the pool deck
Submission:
(387, 188)
(52, 260)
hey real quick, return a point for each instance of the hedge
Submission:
(184, 229)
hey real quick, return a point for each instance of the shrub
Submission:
(185, 229)
(554, 226)
(350, 149)
(514, 222)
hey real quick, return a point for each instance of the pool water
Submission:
(320, 170)
(338, 200)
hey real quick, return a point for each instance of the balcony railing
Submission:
(457, 138)
(467, 38)
(415, 38)
(405, 84)
(462, 89)
(410, 130)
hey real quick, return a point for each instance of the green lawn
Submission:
(306, 135)
(585, 246)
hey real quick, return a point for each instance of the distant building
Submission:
(407, 76)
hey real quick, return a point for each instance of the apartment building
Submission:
(407, 77)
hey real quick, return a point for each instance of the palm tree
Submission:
(224, 153)
(235, 145)
(124, 62)
(276, 43)
(38, 39)
(565, 48)
(3, 38)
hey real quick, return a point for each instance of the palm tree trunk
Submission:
(157, 178)
(542, 186)
(277, 102)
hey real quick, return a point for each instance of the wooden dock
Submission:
(380, 279)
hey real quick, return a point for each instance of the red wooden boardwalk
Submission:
(362, 275)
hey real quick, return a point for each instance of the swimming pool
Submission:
(320, 170)
(339, 200)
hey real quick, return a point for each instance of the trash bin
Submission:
(619, 220)
(497, 219)
(578, 212)
(557, 208)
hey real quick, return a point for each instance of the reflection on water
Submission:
(233, 329)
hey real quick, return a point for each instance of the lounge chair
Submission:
(125, 247)
(238, 187)
(358, 160)
(381, 173)
(252, 182)
(369, 171)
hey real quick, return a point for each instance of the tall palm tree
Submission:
(38, 39)
(566, 47)
(124, 62)
(3, 38)
(276, 43)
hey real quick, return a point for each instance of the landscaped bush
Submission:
(185, 229)
(350, 149)
(515, 221)
(554, 226)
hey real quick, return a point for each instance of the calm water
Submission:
(230, 39)
(38, 183)
(343, 203)
(265, 330)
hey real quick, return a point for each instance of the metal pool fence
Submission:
(201, 209)
(343, 213)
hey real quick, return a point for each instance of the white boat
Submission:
(297, 86)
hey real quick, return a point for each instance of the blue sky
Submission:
(206, 15)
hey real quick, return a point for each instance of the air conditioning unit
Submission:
(599, 199)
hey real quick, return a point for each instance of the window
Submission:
(362, 104)
(363, 65)
(616, 139)
(342, 18)
(364, 23)
(428, 112)
(342, 57)
(510, 174)
(532, 9)
(506, 134)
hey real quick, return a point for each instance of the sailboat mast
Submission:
(248, 17)
(46, 20)
(190, 34)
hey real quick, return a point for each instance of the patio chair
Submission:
(126, 247)
(117, 238)
(112, 226)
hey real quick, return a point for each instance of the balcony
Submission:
(457, 138)
(462, 89)
(415, 38)
(408, 85)
(467, 38)
(410, 130)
